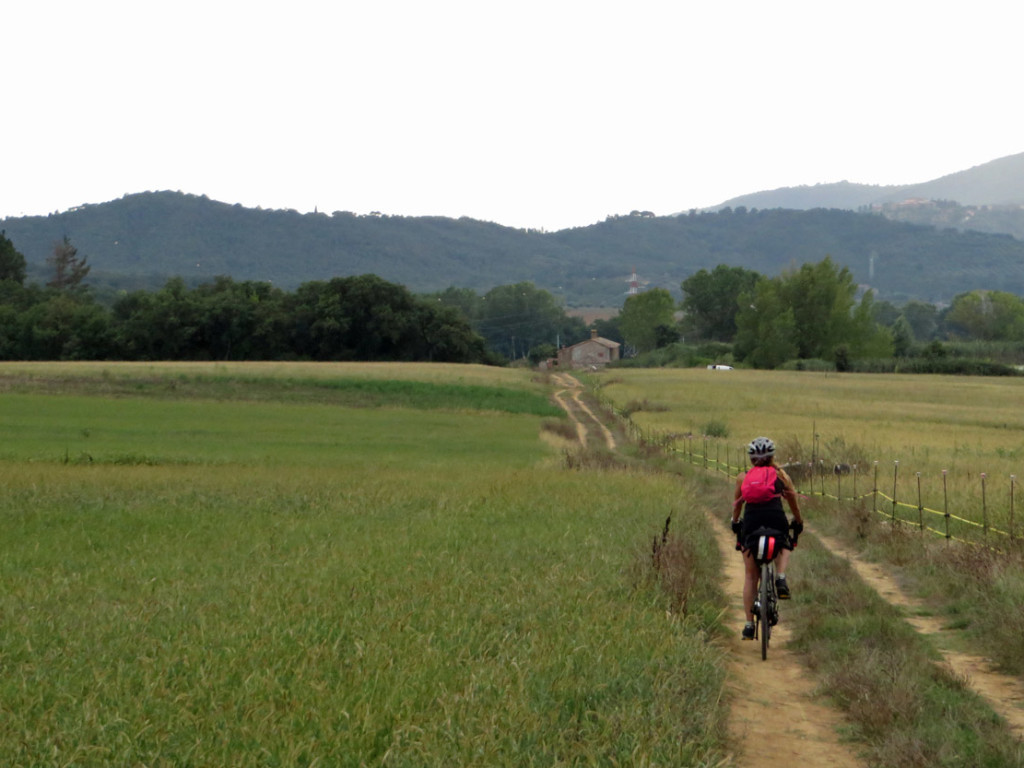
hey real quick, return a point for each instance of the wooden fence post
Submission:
(984, 507)
(895, 476)
(874, 491)
(920, 506)
(1013, 483)
(945, 503)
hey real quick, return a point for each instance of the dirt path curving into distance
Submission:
(773, 703)
(1003, 693)
(569, 398)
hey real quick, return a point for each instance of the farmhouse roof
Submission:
(600, 340)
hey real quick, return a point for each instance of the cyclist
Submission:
(764, 509)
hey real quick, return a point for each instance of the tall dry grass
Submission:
(447, 373)
(899, 431)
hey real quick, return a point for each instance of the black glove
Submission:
(796, 528)
(737, 526)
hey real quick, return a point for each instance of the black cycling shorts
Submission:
(765, 518)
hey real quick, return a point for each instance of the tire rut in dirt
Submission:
(1003, 693)
(774, 708)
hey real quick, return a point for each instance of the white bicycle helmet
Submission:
(761, 448)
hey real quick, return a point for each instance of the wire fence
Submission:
(898, 498)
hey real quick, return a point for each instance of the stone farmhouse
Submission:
(595, 352)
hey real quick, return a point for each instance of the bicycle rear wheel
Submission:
(765, 610)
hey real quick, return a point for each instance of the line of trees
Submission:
(348, 318)
(517, 321)
(814, 312)
(811, 313)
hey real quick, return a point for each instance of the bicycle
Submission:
(765, 546)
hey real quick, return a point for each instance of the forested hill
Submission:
(142, 239)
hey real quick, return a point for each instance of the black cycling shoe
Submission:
(748, 631)
(782, 589)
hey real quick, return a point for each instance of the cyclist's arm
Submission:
(790, 495)
(737, 502)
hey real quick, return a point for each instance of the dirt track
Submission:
(795, 727)
(807, 729)
(569, 398)
(1003, 693)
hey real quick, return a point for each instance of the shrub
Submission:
(715, 350)
(633, 406)
(956, 366)
(680, 355)
(561, 427)
(716, 428)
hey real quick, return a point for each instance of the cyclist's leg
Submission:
(751, 576)
(781, 561)
(780, 572)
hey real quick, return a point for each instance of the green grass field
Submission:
(234, 566)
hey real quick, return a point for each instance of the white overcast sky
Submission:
(543, 114)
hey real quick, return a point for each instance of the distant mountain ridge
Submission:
(996, 183)
(926, 250)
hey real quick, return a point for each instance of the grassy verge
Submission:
(909, 709)
(976, 590)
